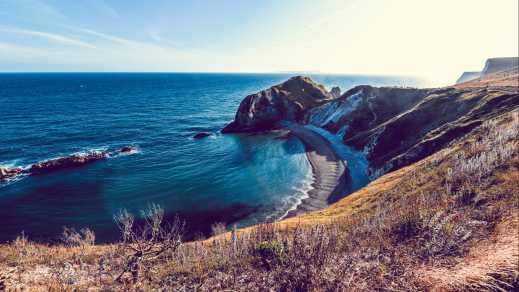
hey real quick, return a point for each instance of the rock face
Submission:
(467, 76)
(67, 162)
(494, 65)
(427, 125)
(284, 102)
(363, 107)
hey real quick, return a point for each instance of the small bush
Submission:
(218, 228)
(84, 237)
(269, 253)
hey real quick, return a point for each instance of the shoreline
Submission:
(330, 174)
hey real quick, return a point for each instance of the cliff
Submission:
(467, 76)
(284, 102)
(494, 65)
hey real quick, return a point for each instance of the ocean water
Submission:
(236, 179)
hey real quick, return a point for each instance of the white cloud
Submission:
(65, 40)
(108, 37)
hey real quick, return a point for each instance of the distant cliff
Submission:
(467, 76)
(494, 65)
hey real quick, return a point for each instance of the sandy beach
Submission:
(331, 176)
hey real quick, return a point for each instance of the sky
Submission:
(436, 40)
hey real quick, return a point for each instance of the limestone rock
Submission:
(284, 102)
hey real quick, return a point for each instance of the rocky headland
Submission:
(284, 102)
(393, 126)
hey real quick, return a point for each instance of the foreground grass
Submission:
(448, 222)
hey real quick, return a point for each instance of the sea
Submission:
(235, 179)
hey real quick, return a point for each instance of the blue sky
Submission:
(405, 37)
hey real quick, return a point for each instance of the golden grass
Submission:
(374, 235)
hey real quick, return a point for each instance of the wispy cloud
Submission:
(105, 36)
(61, 39)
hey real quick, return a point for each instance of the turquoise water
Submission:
(241, 179)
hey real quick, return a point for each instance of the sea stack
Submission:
(288, 101)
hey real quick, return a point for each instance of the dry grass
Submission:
(444, 223)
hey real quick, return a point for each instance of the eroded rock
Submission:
(67, 162)
(284, 102)
(6, 173)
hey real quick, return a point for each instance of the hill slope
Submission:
(441, 216)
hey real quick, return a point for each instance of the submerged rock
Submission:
(201, 135)
(67, 162)
(127, 149)
(284, 102)
(6, 173)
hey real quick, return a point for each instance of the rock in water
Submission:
(284, 102)
(127, 149)
(6, 173)
(201, 135)
(336, 92)
(67, 162)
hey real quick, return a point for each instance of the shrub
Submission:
(84, 237)
(218, 228)
(147, 243)
(269, 253)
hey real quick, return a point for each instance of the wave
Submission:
(301, 193)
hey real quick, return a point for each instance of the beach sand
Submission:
(331, 175)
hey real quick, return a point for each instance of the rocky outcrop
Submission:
(284, 102)
(435, 120)
(72, 161)
(467, 76)
(7, 173)
(67, 162)
(335, 92)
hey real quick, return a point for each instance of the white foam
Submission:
(301, 192)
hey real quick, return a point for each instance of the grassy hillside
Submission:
(447, 222)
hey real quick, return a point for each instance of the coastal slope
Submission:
(443, 217)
